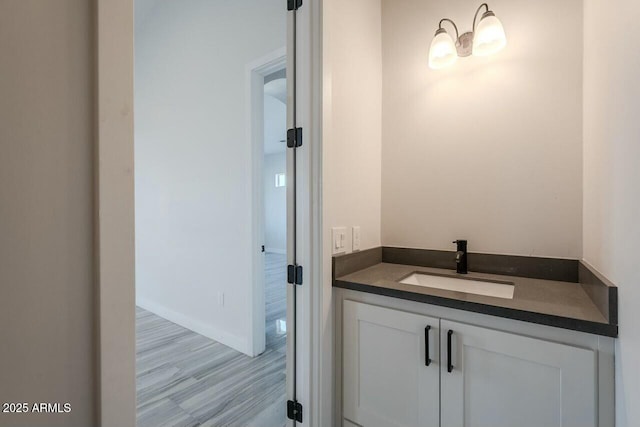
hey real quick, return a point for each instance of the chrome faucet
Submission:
(461, 256)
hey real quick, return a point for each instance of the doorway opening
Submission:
(211, 323)
(186, 29)
(274, 212)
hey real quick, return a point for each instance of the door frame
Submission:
(114, 207)
(255, 72)
(114, 214)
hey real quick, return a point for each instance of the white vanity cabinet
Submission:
(499, 379)
(477, 376)
(389, 380)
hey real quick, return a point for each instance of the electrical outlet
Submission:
(356, 238)
(338, 240)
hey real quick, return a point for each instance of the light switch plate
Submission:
(356, 238)
(338, 240)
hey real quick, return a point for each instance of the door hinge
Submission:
(294, 274)
(294, 4)
(294, 138)
(294, 410)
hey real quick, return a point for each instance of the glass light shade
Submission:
(442, 52)
(489, 36)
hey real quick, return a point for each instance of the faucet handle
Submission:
(461, 243)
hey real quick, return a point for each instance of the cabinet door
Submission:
(386, 380)
(500, 379)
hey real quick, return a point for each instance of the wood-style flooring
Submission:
(185, 379)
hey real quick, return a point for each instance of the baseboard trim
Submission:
(230, 340)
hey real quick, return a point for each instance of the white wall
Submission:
(490, 149)
(275, 204)
(352, 129)
(193, 159)
(612, 176)
(47, 332)
(351, 145)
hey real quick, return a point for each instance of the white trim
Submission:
(313, 380)
(321, 301)
(115, 221)
(291, 302)
(255, 73)
(269, 63)
(236, 342)
(321, 327)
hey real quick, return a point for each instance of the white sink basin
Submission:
(470, 286)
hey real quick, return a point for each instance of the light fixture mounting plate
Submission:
(464, 44)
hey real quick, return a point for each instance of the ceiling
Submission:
(277, 88)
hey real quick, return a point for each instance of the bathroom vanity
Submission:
(534, 348)
(492, 150)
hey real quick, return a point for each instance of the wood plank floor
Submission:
(185, 379)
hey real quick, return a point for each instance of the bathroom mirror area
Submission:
(489, 149)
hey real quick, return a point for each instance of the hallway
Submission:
(186, 379)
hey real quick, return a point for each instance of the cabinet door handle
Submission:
(449, 365)
(427, 360)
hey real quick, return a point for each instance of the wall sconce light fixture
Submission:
(485, 39)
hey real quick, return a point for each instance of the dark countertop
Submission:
(547, 302)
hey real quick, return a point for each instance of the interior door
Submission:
(498, 379)
(391, 374)
(295, 252)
